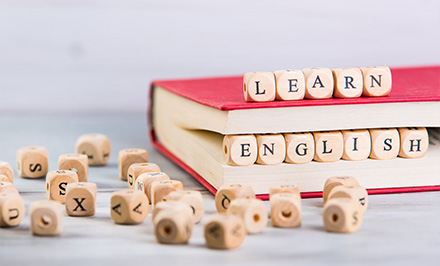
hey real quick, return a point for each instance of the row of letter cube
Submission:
(317, 83)
(328, 146)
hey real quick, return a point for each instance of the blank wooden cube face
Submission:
(6, 169)
(173, 227)
(335, 181)
(11, 209)
(357, 144)
(329, 146)
(32, 162)
(136, 169)
(240, 149)
(81, 199)
(172, 206)
(300, 147)
(414, 142)
(75, 162)
(271, 149)
(289, 84)
(128, 157)
(259, 86)
(348, 82)
(145, 180)
(284, 188)
(319, 83)
(191, 197)
(285, 210)
(229, 192)
(385, 143)
(377, 81)
(224, 231)
(252, 212)
(96, 147)
(357, 194)
(128, 207)
(160, 189)
(341, 216)
(8, 188)
(46, 218)
(56, 182)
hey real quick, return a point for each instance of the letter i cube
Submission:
(56, 182)
(81, 199)
(229, 192)
(32, 162)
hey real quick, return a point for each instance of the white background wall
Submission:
(100, 56)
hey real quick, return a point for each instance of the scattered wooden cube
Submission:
(137, 169)
(191, 197)
(224, 231)
(329, 146)
(6, 169)
(357, 144)
(319, 83)
(159, 189)
(259, 86)
(11, 209)
(271, 149)
(385, 143)
(252, 212)
(335, 181)
(285, 210)
(128, 157)
(284, 188)
(289, 84)
(173, 206)
(300, 147)
(46, 218)
(56, 182)
(81, 199)
(4, 178)
(32, 162)
(96, 147)
(8, 188)
(377, 81)
(144, 181)
(128, 206)
(356, 193)
(414, 142)
(240, 149)
(341, 215)
(228, 192)
(348, 82)
(173, 227)
(75, 162)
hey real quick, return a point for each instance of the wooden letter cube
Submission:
(75, 162)
(228, 192)
(329, 146)
(300, 147)
(357, 144)
(414, 142)
(285, 210)
(385, 143)
(284, 188)
(252, 212)
(11, 209)
(56, 182)
(348, 82)
(172, 206)
(224, 231)
(377, 81)
(46, 218)
(191, 197)
(6, 169)
(128, 206)
(144, 181)
(159, 189)
(357, 194)
(4, 178)
(341, 215)
(335, 181)
(8, 188)
(173, 227)
(240, 149)
(289, 84)
(136, 169)
(128, 157)
(96, 147)
(81, 199)
(319, 83)
(271, 149)
(259, 86)
(32, 162)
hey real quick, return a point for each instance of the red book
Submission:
(188, 118)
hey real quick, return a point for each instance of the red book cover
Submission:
(418, 84)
